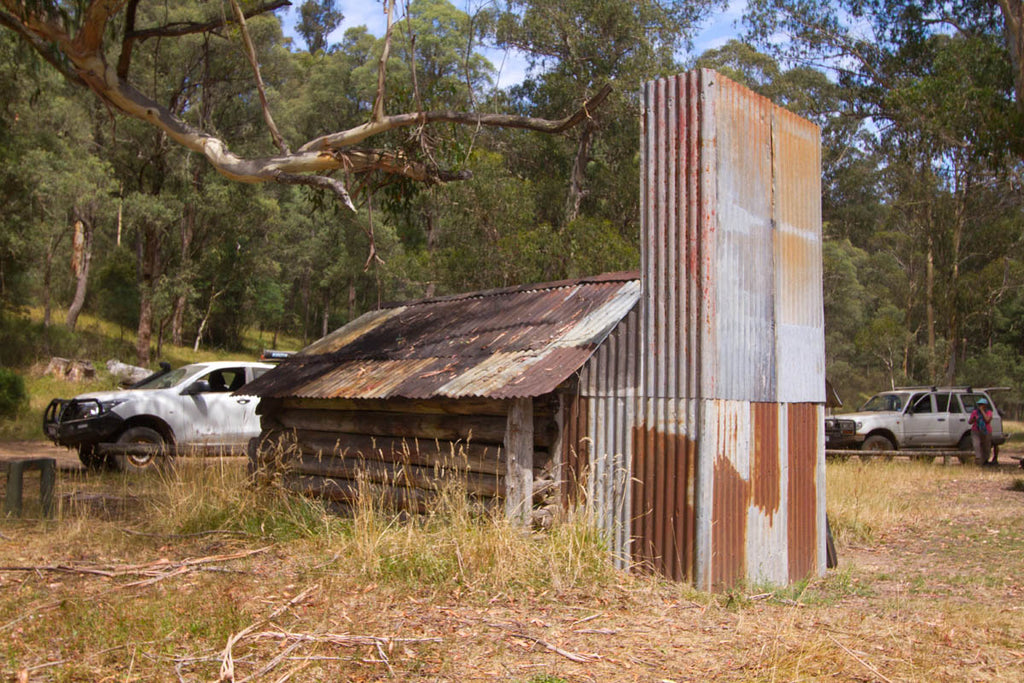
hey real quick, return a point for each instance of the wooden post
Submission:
(557, 461)
(519, 460)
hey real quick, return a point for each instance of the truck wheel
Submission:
(92, 460)
(134, 461)
(877, 442)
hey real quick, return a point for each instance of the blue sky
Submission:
(512, 66)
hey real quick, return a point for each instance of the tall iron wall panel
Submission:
(738, 351)
(607, 396)
(799, 312)
(733, 337)
(664, 496)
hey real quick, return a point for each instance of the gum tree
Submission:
(91, 42)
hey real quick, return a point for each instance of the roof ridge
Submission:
(615, 276)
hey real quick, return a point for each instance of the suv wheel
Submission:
(137, 436)
(877, 442)
(92, 460)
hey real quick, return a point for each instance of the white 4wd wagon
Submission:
(912, 417)
(197, 407)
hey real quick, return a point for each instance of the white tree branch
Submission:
(81, 59)
(250, 53)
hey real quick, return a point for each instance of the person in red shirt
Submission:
(981, 432)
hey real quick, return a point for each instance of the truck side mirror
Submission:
(200, 386)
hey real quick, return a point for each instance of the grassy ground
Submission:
(191, 575)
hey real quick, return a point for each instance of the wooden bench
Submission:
(15, 470)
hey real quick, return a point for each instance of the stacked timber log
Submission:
(404, 452)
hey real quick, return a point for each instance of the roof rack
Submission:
(275, 356)
(933, 387)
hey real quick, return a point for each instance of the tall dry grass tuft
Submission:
(203, 494)
(456, 542)
(467, 543)
(869, 499)
(861, 504)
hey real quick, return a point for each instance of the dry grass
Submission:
(199, 574)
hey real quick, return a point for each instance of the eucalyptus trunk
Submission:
(188, 230)
(81, 260)
(149, 261)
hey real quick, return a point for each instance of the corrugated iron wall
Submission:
(604, 419)
(728, 456)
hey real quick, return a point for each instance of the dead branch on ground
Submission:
(155, 571)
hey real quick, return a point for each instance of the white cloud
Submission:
(722, 28)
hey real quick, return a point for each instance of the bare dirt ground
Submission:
(936, 595)
(66, 459)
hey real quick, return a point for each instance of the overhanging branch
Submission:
(371, 128)
(80, 57)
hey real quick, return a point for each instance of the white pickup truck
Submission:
(197, 407)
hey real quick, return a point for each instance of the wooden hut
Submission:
(686, 403)
(481, 386)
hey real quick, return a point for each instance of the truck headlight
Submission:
(107, 406)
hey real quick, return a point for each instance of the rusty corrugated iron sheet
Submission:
(608, 388)
(663, 492)
(806, 495)
(732, 244)
(506, 343)
(726, 487)
(799, 313)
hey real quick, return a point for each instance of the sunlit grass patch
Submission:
(460, 543)
(861, 500)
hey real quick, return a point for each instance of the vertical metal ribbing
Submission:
(711, 218)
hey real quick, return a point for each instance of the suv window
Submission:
(942, 403)
(969, 401)
(922, 404)
(165, 381)
(225, 379)
(883, 402)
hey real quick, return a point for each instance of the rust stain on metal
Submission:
(728, 525)
(662, 508)
(803, 494)
(575, 452)
(765, 468)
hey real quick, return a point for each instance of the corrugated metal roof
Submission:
(503, 343)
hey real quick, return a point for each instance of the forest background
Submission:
(922, 133)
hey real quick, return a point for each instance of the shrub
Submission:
(13, 396)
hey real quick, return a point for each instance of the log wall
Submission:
(405, 450)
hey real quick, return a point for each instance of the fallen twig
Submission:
(227, 666)
(343, 639)
(585, 620)
(579, 658)
(158, 568)
(861, 661)
(211, 532)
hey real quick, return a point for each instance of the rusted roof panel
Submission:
(503, 343)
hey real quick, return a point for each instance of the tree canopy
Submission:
(127, 125)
